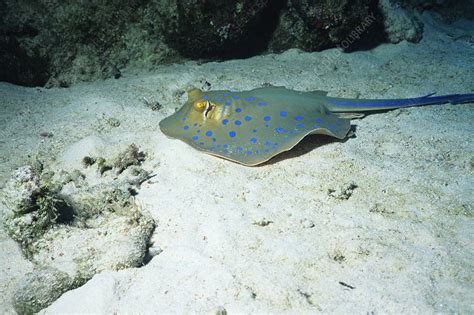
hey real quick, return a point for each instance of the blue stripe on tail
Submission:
(401, 102)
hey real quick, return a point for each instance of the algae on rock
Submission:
(74, 224)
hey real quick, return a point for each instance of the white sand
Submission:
(403, 239)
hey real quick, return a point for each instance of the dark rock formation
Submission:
(217, 28)
(400, 23)
(314, 25)
(450, 10)
(57, 43)
(22, 61)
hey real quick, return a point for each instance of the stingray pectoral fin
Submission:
(195, 94)
(339, 134)
(346, 115)
(330, 125)
(319, 93)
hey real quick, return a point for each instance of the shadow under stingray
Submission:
(307, 144)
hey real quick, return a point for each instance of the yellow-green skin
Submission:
(251, 127)
(257, 138)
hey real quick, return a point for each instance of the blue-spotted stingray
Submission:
(251, 127)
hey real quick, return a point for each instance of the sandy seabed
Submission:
(379, 223)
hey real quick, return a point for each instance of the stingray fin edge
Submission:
(194, 94)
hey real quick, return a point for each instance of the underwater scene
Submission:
(236, 157)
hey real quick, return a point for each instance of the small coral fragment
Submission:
(88, 161)
(131, 156)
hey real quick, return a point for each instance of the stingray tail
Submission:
(341, 105)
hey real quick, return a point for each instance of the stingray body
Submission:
(250, 127)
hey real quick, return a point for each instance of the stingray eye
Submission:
(200, 106)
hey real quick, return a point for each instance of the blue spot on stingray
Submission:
(225, 145)
(235, 97)
(186, 127)
(318, 120)
(201, 143)
(226, 94)
(205, 97)
(331, 126)
(249, 152)
(279, 129)
(283, 114)
(239, 149)
(225, 121)
(251, 98)
(254, 131)
(253, 140)
(298, 118)
(238, 110)
(267, 118)
(198, 131)
(262, 103)
(183, 119)
(195, 124)
(238, 123)
(300, 126)
(195, 138)
(294, 132)
(232, 134)
(248, 118)
(227, 103)
(257, 151)
(209, 133)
